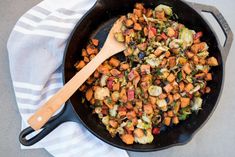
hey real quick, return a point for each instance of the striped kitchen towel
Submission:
(36, 47)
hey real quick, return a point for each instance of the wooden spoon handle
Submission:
(44, 113)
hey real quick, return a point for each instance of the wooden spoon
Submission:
(110, 48)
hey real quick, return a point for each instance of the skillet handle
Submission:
(65, 115)
(223, 24)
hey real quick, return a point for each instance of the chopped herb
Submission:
(142, 40)
(186, 110)
(179, 76)
(109, 100)
(145, 132)
(126, 73)
(183, 116)
(193, 72)
(158, 72)
(83, 100)
(175, 16)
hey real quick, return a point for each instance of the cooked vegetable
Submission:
(167, 121)
(80, 65)
(161, 103)
(101, 93)
(113, 111)
(138, 133)
(188, 87)
(175, 120)
(184, 102)
(103, 80)
(168, 88)
(160, 81)
(199, 47)
(114, 62)
(176, 96)
(153, 62)
(212, 61)
(129, 22)
(89, 94)
(147, 138)
(187, 68)
(143, 125)
(115, 96)
(91, 50)
(186, 36)
(155, 90)
(137, 27)
(105, 120)
(197, 104)
(95, 42)
(119, 37)
(127, 138)
(170, 32)
(208, 77)
(148, 109)
(165, 8)
(171, 77)
(124, 66)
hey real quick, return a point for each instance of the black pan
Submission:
(96, 23)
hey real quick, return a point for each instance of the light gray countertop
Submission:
(216, 138)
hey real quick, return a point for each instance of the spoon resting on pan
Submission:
(110, 48)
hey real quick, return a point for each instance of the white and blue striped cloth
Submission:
(36, 46)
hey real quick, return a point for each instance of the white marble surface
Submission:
(216, 138)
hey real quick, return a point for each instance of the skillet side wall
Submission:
(96, 23)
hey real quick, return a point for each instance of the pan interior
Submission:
(97, 23)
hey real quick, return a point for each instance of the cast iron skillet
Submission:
(96, 23)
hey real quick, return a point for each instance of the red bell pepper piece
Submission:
(163, 35)
(110, 83)
(120, 76)
(156, 131)
(198, 35)
(131, 75)
(130, 94)
(152, 32)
